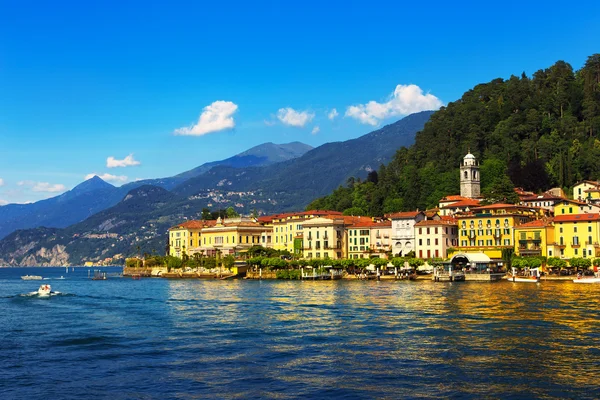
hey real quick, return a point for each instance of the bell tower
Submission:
(469, 177)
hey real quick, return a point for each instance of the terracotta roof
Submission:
(577, 218)
(596, 189)
(453, 197)
(463, 203)
(447, 218)
(404, 215)
(195, 224)
(538, 223)
(499, 205)
(587, 181)
(368, 223)
(581, 203)
(265, 219)
(431, 222)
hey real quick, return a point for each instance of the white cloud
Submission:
(269, 123)
(43, 186)
(1, 182)
(315, 130)
(215, 117)
(332, 114)
(128, 161)
(406, 99)
(291, 117)
(3, 202)
(108, 177)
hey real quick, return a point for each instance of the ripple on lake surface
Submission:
(156, 339)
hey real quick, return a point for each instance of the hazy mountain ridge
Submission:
(94, 194)
(144, 214)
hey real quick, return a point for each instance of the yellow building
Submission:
(490, 229)
(535, 238)
(324, 238)
(576, 235)
(579, 190)
(231, 236)
(287, 228)
(185, 238)
(570, 207)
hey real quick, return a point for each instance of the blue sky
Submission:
(82, 82)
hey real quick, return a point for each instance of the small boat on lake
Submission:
(531, 276)
(31, 278)
(44, 290)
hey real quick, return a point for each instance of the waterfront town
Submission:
(559, 231)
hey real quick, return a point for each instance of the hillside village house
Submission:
(231, 235)
(545, 200)
(582, 190)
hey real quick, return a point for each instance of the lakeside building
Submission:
(577, 230)
(435, 237)
(231, 235)
(403, 231)
(490, 229)
(185, 238)
(287, 228)
(324, 237)
(535, 238)
(368, 237)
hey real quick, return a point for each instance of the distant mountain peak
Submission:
(94, 183)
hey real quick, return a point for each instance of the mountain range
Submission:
(266, 179)
(95, 195)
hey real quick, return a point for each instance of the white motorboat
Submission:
(44, 290)
(531, 276)
(583, 279)
(31, 278)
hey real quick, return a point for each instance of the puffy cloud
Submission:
(406, 99)
(315, 130)
(3, 202)
(1, 182)
(291, 117)
(43, 186)
(269, 123)
(332, 114)
(215, 117)
(108, 177)
(128, 161)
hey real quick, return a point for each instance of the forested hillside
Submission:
(539, 132)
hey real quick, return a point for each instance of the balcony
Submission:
(575, 245)
(559, 245)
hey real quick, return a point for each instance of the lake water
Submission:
(190, 339)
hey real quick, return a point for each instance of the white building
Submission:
(403, 231)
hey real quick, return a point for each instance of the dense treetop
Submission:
(536, 133)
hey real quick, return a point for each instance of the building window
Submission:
(428, 242)
(589, 228)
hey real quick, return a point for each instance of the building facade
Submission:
(324, 238)
(434, 238)
(403, 231)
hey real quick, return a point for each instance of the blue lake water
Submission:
(191, 339)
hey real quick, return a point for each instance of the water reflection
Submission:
(383, 339)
